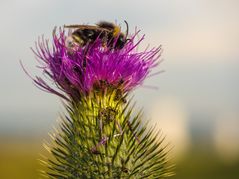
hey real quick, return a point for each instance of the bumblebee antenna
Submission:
(127, 28)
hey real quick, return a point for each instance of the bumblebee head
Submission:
(121, 37)
(120, 42)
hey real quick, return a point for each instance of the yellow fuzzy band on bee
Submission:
(77, 39)
(116, 31)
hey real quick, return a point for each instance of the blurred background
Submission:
(197, 101)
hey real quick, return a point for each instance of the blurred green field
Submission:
(200, 164)
(19, 160)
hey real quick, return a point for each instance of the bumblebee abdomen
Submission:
(109, 33)
(84, 36)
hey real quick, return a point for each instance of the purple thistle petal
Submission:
(65, 66)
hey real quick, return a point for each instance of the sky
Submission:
(200, 40)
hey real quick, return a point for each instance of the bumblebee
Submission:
(108, 32)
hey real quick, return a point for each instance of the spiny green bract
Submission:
(102, 138)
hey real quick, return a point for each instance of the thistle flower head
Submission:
(78, 70)
(99, 131)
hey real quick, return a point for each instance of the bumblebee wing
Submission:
(78, 26)
(83, 27)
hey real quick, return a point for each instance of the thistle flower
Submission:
(77, 72)
(100, 137)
